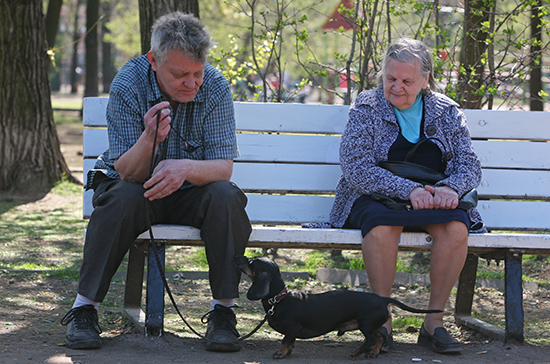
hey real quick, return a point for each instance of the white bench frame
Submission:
(289, 167)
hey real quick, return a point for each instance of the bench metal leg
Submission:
(513, 298)
(155, 292)
(464, 301)
(466, 286)
(134, 286)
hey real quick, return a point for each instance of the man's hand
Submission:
(133, 165)
(170, 174)
(150, 121)
(167, 177)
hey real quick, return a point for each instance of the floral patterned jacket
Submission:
(371, 130)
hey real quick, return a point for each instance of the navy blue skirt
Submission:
(367, 214)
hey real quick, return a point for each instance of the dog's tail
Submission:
(403, 306)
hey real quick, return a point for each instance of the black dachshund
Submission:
(301, 315)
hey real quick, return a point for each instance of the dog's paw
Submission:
(280, 354)
(372, 354)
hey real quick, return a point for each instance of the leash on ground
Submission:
(153, 243)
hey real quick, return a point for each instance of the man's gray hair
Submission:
(181, 32)
(410, 51)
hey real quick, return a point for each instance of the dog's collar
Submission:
(278, 298)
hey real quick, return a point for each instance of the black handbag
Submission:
(466, 202)
(416, 172)
(421, 174)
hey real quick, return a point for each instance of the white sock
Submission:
(81, 301)
(227, 302)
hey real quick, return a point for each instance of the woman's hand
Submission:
(421, 199)
(445, 198)
(429, 197)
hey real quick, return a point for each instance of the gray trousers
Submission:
(119, 216)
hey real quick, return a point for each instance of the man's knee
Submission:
(120, 195)
(225, 194)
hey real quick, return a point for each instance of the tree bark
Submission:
(30, 157)
(76, 41)
(474, 47)
(92, 49)
(52, 21)
(107, 66)
(151, 10)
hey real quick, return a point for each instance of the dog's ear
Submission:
(243, 263)
(260, 287)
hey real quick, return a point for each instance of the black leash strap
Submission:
(155, 159)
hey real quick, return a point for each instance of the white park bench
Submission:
(289, 167)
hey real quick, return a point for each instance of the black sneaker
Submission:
(221, 333)
(82, 328)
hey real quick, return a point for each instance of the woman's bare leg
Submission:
(449, 250)
(380, 247)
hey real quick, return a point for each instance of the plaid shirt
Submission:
(203, 129)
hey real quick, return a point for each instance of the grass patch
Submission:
(39, 236)
(65, 188)
(67, 103)
(407, 321)
(64, 117)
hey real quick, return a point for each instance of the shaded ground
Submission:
(32, 306)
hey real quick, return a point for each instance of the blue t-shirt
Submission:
(410, 119)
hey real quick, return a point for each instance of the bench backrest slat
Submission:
(325, 149)
(328, 119)
(289, 163)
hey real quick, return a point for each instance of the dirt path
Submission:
(32, 307)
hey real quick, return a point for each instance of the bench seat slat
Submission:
(270, 236)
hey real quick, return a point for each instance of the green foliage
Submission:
(124, 31)
(65, 188)
(198, 259)
(406, 321)
(261, 43)
(316, 259)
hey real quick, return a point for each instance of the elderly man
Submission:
(171, 94)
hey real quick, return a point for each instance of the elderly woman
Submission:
(383, 125)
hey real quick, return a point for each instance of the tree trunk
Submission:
(76, 41)
(535, 80)
(150, 10)
(31, 159)
(107, 67)
(52, 21)
(474, 47)
(92, 49)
